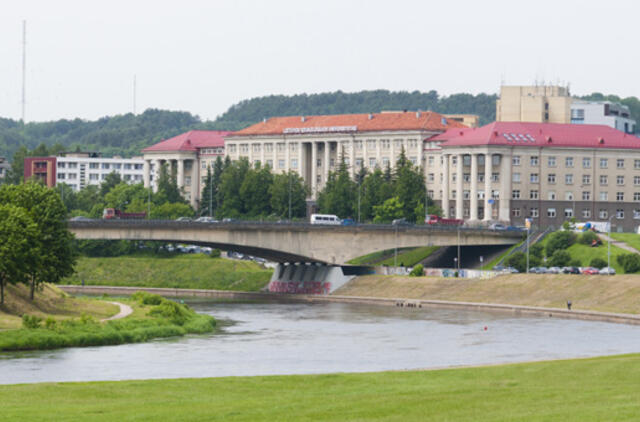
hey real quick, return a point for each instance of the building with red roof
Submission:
(188, 155)
(313, 145)
(548, 172)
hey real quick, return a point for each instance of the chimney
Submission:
(302, 119)
(370, 116)
(418, 114)
(264, 120)
(443, 121)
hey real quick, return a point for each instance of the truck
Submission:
(435, 219)
(116, 214)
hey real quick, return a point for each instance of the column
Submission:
(262, 152)
(421, 153)
(473, 207)
(393, 153)
(146, 173)
(445, 185)
(250, 145)
(505, 188)
(314, 169)
(487, 187)
(180, 179)
(300, 166)
(378, 154)
(459, 188)
(195, 183)
(287, 156)
(275, 156)
(156, 174)
(327, 148)
(352, 167)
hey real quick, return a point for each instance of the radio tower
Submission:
(24, 68)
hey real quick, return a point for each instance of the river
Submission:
(269, 338)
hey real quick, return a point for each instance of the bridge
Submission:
(293, 242)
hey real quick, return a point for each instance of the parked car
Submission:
(228, 220)
(498, 268)
(80, 218)
(497, 226)
(608, 271)
(511, 270)
(183, 219)
(554, 270)
(206, 219)
(401, 222)
(516, 228)
(571, 270)
(590, 271)
(348, 222)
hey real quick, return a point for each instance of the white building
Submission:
(606, 113)
(81, 169)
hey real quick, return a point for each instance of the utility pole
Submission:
(24, 69)
(134, 94)
(289, 195)
(210, 195)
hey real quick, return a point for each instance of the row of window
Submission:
(568, 196)
(568, 179)
(95, 176)
(568, 162)
(603, 214)
(104, 166)
(293, 147)
(219, 150)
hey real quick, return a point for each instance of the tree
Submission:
(518, 260)
(374, 191)
(560, 258)
(171, 211)
(168, 190)
(230, 203)
(17, 241)
(338, 195)
(391, 209)
(409, 186)
(68, 196)
(88, 197)
(130, 198)
(288, 188)
(598, 263)
(559, 240)
(208, 201)
(630, 262)
(254, 191)
(112, 179)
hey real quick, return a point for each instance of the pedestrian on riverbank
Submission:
(568, 304)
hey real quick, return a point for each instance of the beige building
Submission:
(538, 104)
(313, 145)
(547, 172)
(469, 120)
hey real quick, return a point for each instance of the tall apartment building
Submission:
(4, 167)
(607, 113)
(547, 172)
(313, 145)
(538, 104)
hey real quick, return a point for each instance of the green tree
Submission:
(518, 260)
(254, 191)
(560, 258)
(168, 190)
(112, 179)
(230, 203)
(17, 245)
(171, 211)
(598, 263)
(130, 198)
(409, 186)
(68, 196)
(338, 195)
(559, 240)
(88, 197)
(208, 200)
(375, 190)
(287, 186)
(391, 209)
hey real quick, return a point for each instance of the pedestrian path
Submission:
(619, 243)
(125, 310)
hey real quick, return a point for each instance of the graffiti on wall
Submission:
(300, 287)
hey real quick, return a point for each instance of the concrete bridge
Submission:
(293, 242)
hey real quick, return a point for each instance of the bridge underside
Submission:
(286, 243)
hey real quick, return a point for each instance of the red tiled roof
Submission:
(191, 141)
(539, 135)
(409, 120)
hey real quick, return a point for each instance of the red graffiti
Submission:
(300, 287)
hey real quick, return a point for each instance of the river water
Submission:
(265, 339)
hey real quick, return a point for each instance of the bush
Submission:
(417, 271)
(215, 253)
(50, 323)
(559, 240)
(518, 260)
(587, 238)
(536, 250)
(566, 225)
(630, 262)
(560, 258)
(31, 321)
(145, 298)
(598, 263)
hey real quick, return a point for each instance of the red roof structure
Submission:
(538, 135)
(385, 121)
(191, 141)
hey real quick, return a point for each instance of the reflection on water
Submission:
(262, 339)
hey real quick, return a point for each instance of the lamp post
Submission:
(609, 245)
(289, 195)
(458, 258)
(149, 203)
(210, 194)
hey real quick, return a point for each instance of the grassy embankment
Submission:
(407, 256)
(630, 239)
(178, 271)
(597, 389)
(55, 320)
(587, 292)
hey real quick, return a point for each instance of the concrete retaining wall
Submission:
(398, 302)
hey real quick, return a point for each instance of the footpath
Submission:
(618, 243)
(125, 311)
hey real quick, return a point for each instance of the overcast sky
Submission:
(203, 56)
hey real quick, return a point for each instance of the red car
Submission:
(590, 271)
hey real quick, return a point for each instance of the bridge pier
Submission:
(308, 278)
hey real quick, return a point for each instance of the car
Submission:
(516, 229)
(80, 218)
(228, 220)
(511, 270)
(401, 222)
(498, 268)
(497, 226)
(183, 219)
(348, 222)
(608, 271)
(206, 219)
(571, 270)
(590, 271)
(554, 270)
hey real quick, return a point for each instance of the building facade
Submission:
(42, 169)
(607, 113)
(5, 167)
(546, 172)
(538, 104)
(82, 169)
(314, 145)
(187, 156)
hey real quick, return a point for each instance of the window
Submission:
(187, 180)
(358, 162)
(385, 161)
(636, 196)
(636, 180)
(533, 212)
(620, 163)
(619, 196)
(332, 162)
(495, 159)
(466, 160)
(270, 163)
(61, 165)
(454, 177)
(294, 162)
(127, 166)
(619, 213)
(93, 165)
(430, 193)
(280, 147)
(604, 196)
(586, 179)
(73, 165)
(430, 160)
(586, 195)
(453, 194)
(204, 165)
(495, 194)
(515, 212)
(466, 177)
(568, 212)
(358, 145)
(636, 164)
(636, 214)
(515, 194)
(280, 164)
(534, 178)
(430, 177)
(515, 160)
(551, 195)
(72, 176)
(268, 147)
(534, 160)
(93, 176)
(481, 178)
(568, 179)
(533, 194)
(551, 161)
(480, 194)
(568, 196)
(586, 213)
(244, 148)
(384, 143)
(568, 162)
(232, 148)
(138, 166)
(516, 177)
(495, 177)
(551, 178)
(551, 212)
(372, 163)
(61, 176)
(106, 166)
(604, 163)
(454, 160)
(465, 194)
(620, 180)
(603, 214)
(603, 180)
(293, 147)
(586, 163)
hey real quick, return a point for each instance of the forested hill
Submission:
(253, 110)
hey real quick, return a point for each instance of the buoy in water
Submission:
(485, 328)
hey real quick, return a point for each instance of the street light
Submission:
(609, 245)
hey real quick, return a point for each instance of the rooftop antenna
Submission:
(134, 94)
(24, 68)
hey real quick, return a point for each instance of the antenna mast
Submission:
(24, 68)
(134, 94)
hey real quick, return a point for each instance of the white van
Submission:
(329, 219)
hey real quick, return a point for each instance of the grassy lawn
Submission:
(180, 271)
(411, 257)
(489, 265)
(630, 239)
(370, 259)
(599, 389)
(585, 253)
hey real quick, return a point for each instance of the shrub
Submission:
(417, 271)
(630, 262)
(50, 323)
(536, 250)
(587, 238)
(566, 225)
(598, 263)
(215, 253)
(518, 260)
(178, 314)
(560, 258)
(145, 298)
(31, 321)
(559, 240)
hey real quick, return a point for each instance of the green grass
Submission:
(630, 239)
(180, 271)
(411, 257)
(489, 265)
(598, 389)
(370, 259)
(160, 318)
(585, 253)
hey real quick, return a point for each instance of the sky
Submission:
(203, 56)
